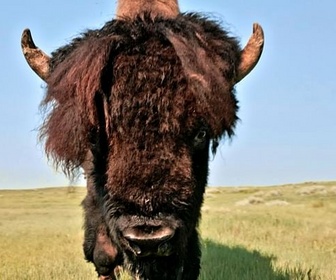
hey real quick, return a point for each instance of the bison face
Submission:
(151, 154)
(154, 193)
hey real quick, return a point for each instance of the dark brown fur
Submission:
(127, 103)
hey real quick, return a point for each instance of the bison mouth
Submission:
(146, 240)
(143, 237)
(151, 247)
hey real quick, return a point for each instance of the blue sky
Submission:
(287, 131)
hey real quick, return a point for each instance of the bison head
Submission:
(137, 105)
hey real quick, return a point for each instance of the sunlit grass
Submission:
(41, 234)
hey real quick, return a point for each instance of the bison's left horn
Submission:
(251, 53)
(36, 58)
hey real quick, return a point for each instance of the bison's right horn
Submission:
(36, 58)
(251, 53)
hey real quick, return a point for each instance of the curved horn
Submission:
(36, 58)
(251, 53)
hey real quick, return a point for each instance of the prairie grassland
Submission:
(269, 233)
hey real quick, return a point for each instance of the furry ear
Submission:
(70, 102)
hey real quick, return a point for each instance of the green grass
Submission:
(269, 233)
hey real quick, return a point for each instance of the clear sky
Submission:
(287, 131)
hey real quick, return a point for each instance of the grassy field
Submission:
(269, 233)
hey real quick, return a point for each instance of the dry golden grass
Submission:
(286, 235)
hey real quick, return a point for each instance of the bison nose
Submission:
(150, 240)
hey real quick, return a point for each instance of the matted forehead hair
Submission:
(80, 75)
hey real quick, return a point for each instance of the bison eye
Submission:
(200, 138)
(201, 135)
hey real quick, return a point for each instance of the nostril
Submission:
(136, 248)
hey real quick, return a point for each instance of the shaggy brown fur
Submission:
(136, 104)
(162, 8)
(208, 59)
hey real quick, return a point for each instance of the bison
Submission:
(137, 105)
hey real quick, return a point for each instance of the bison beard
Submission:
(137, 105)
